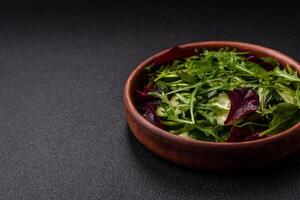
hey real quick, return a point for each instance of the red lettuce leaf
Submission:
(242, 134)
(148, 104)
(143, 94)
(151, 116)
(173, 54)
(243, 101)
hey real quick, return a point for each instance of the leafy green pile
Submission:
(194, 97)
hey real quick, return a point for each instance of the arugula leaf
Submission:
(271, 61)
(192, 102)
(288, 73)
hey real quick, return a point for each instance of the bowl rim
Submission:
(128, 99)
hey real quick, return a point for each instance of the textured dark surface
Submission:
(62, 70)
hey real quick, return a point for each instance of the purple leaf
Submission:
(242, 134)
(147, 104)
(173, 54)
(151, 116)
(142, 95)
(237, 134)
(254, 136)
(243, 101)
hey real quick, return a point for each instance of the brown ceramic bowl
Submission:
(210, 155)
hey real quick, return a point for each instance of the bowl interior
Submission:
(138, 77)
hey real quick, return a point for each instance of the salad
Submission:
(221, 96)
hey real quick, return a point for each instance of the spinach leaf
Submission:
(282, 113)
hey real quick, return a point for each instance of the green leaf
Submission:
(161, 85)
(251, 124)
(193, 100)
(262, 93)
(185, 129)
(271, 61)
(297, 95)
(288, 73)
(222, 101)
(282, 113)
(256, 69)
(286, 93)
(207, 129)
(208, 116)
(196, 67)
(221, 107)
(187, 77)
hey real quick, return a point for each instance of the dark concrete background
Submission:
(62, 70)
